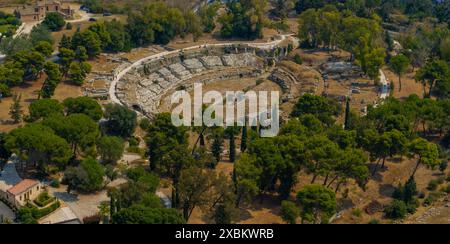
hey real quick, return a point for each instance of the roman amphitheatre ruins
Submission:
(146, 84)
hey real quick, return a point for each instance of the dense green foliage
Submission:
(87, 177)
(40, 146)
(54, 21)
(289, 212)
(30, 214)
(84, 105)
(156, 23)
(8, 24)
(317, 202)
(136, 203)
(121, 121)
(44, 108)
(110, 149)
(243, 19)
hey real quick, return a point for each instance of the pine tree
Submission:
(347, 115)
(65, 42)
(16, 109)
(54, 77)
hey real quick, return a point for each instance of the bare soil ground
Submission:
(380, 188)
(29, 93)
(352, 200)
(409, 85)
(142, 52)
(312, 60)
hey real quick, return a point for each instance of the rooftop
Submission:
(9, 177)
(63, 215)
(22, 186)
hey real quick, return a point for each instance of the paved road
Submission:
(6, 212)
(112, 88)
(84, 17)
(384, 85)
(81, 204)
(26, 28)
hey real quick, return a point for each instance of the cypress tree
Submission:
(244, 139)
(232, 148)
(217, 147)
(112, 206)
(347, 115)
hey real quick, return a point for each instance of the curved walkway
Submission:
(384, 86)
(118, 77)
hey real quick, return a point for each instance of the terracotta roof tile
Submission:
(22, 186)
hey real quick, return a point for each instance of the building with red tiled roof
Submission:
(16, 191)
(25, 191)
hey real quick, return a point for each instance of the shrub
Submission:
(433, 185)
(412, 206)
(396, 210)
(145, 124)
(374, 222)
(30, 214)
(134, 142)
(134, 149)
(44, 199)
(289, 212)
(4, 90)
(25, 216)
(448, 178)
(55, 183)
(357, 212)
(447, 189)
(433, 197)
(69, 26)
(298, 59)
(46, 211)
(259, 82)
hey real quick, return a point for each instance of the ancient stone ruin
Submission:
(144, 86)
